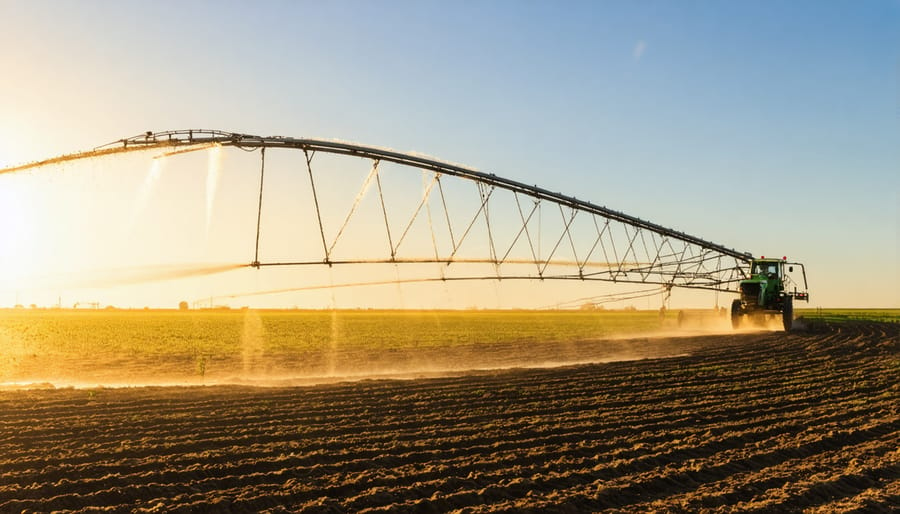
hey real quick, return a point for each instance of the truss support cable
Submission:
(480, 210)
(572, 242)
(262, 174)
(431, 224)
(487, 222)
(521, 230)
(312, 184)
(561, 236)
(359, 197)
(446, 213)
(387, 225)
(534, 255)
(594, 246)
(425, 194)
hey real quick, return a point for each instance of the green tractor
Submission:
(770, 291)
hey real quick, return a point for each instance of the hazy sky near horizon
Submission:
(771, 127)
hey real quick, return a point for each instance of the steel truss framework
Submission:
(610, 246)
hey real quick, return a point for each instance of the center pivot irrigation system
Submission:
(541, 235)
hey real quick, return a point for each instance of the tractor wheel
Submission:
(735, 314)
(787, 313)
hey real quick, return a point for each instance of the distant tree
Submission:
(182, 305)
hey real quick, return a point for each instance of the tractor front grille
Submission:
(750, 293)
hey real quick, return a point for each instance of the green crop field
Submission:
(841, 315)
(167, 332)
(91, 344)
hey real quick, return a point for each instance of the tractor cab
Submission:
(767, 268)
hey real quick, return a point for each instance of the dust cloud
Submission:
(255, 364)
(252, 343)
(256, 348)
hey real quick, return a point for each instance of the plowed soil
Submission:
(767, 421)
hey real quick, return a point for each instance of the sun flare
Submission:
(17, 229)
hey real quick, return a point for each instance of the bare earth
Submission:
(807, 421)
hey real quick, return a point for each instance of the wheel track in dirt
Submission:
(747, 422)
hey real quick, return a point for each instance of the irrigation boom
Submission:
(624, 248)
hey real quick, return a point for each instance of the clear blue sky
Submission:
(771, 127)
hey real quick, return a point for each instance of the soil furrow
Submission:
(743, 422)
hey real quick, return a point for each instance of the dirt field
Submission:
(807, 421)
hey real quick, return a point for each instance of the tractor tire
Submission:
(736, 314)
(787, 313)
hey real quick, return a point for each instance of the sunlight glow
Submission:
(16, 232)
